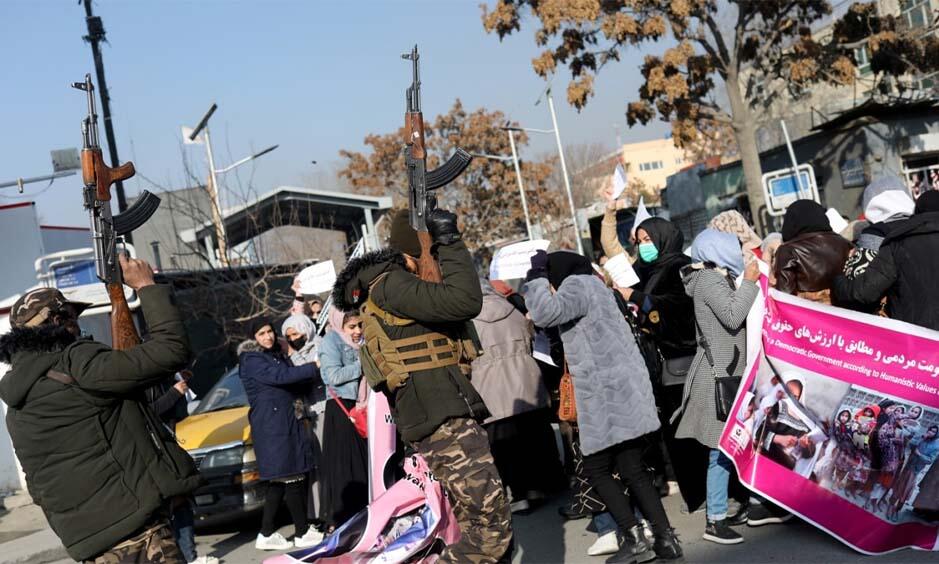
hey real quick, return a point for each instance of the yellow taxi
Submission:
(218, 437)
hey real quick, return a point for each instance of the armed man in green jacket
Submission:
(418, 342)
(97, 461)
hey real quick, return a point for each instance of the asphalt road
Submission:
(542, 538)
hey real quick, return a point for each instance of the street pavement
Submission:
(543, 538)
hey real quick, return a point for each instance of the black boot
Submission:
(667, 546)
(635, 548)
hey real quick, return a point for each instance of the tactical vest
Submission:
(394, 360)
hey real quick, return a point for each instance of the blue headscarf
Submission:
(722, 249)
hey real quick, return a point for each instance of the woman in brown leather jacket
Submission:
(811, 254)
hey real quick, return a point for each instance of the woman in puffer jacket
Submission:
(615, 407)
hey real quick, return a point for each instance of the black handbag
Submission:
(725, 387)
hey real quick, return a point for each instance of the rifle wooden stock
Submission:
(95, 171)
(427, 267)
(123, 331)
(414, 125)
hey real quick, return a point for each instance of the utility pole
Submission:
(567, 181)
(95, 37)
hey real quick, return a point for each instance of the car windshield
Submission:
(225, 394)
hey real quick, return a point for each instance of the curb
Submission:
(42, 546)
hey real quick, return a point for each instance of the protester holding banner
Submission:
(811, 255)
(281, 444)
(615, 406)
(905, 270)
(345, 452)
(721, 312)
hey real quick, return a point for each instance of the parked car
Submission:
(218, 437)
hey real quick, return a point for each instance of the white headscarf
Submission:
(887, 199)
(300, 323)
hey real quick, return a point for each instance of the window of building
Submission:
(863, 60)
(651, 165)
(915, 13)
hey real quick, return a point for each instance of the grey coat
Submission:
(611, 383)
(721, 312)
(506, 375)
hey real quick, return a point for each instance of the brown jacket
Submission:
(810, 262)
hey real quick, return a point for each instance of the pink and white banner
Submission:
(837, 420)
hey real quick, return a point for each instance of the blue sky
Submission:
(312, 76)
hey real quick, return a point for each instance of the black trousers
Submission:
(626, 459)
(295, 495)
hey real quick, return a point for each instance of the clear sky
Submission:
(312, 76)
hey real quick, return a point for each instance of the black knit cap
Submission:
(403, 237)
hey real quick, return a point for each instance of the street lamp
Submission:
(567, 182)
(518, 177)
(193, 137)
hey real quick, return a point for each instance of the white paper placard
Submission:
(642, 214)
(619, 182)
(838, 224)
(541, 349)
(621, 271)
(318, 278)
(514, 261)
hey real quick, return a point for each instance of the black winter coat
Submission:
(906, 270)
(97, 460)
(434, 396)
(281, 443)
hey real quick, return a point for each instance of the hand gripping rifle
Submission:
(420, 182)
(98, 177)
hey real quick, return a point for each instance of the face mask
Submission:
(297, 344)
(648, 252)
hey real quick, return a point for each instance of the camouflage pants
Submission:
(155, 544)
(458, 455)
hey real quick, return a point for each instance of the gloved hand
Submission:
(539, 266)
(442, 227)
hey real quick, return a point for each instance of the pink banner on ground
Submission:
(837, 420)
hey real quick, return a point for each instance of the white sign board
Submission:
(318, 278)
(782, 187)
(621, 271)
(642, 214)
(514, 261)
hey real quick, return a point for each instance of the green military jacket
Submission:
(430, 397)
(97, 461)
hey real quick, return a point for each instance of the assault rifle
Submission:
(105, 228)
(421, 183)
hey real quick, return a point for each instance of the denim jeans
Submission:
(604, 523)
(719, 469)
(184, 530)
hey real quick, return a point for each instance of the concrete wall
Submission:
(22, 245)
(179, 210)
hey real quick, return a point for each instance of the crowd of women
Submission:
(640, 364)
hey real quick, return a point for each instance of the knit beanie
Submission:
(403, 237)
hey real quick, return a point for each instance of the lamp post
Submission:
(212, 188)
(567, 182)
(518, 177)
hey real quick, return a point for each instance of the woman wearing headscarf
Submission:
(302, 347)
(509, 381)
(345, 452)
(886, 201)
(615, 406)
(733, 222)
(811, 255)
(281, 444)
(905, 269)
(721, 312)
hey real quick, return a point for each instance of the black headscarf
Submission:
(669, 240)
(804, 216)
(927, 202)
(562, 264)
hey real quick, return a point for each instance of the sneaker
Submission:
(274, 542)
(719, 532)
(311, 538)
(667, 546)
(568, 514)
(739, 518)
(767, 514)
(520, 506)
(673, 488)
(605, 544)
(205, 560)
